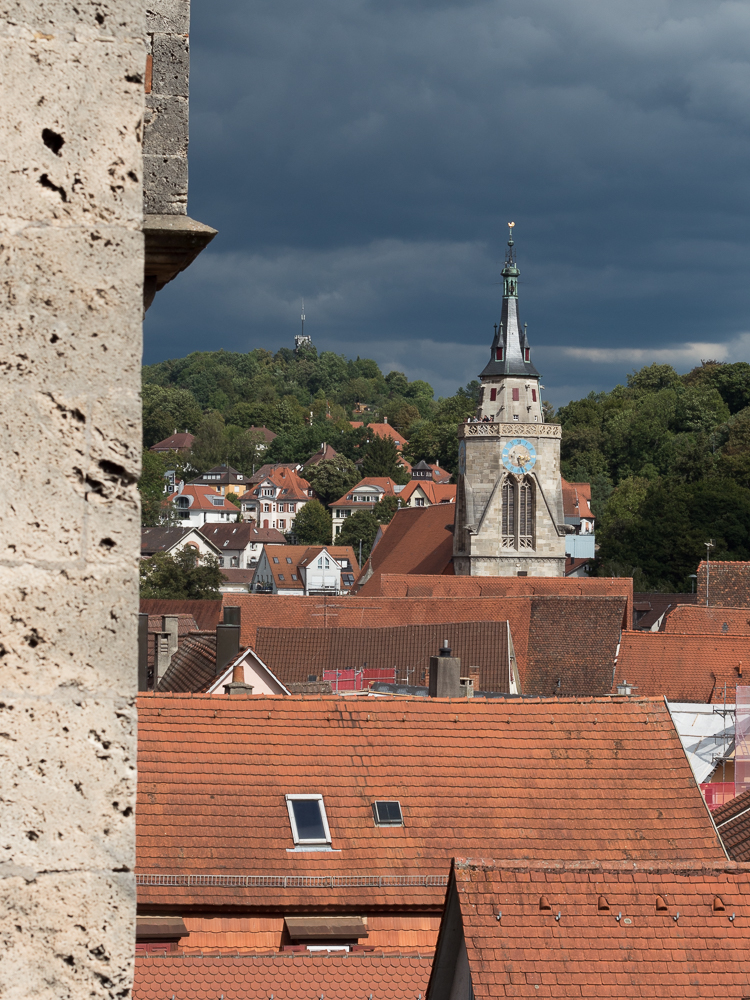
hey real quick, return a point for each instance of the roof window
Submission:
(294, 576)
(276, 559)
(281, 576)
(307, 816)
(288, 560)
(387, 813)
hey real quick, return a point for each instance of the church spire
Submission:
(511, 353)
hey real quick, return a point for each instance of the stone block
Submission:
(67, 936)
(65, 158)
(93, 21)
(166, 184)
(171, 65)
(168, 16)
(166, 125)
(67, 782)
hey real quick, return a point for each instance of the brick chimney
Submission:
(237, 686)
(445, 674)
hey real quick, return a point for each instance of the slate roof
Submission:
(728, 584)
(571, 638)
(207, 614)
(294, 654)
(193, 666)
(235, 535)
(227, 475)
(588, 952)
(285, 976)
(733, 823)
(698, 619)
(516, 779)
(689, 668)
(175, 442)
(161, 538)
(419, 540)
(651, 606)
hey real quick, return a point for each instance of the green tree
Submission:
(381, 459)
(313, 524)
(332, 478)
(363, 525)
(385, 510)
(734, 459)
(151, 487)
(435, 443)
(167, 409)
(209, 445)
(183, 576)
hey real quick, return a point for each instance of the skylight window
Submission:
(387, 813)
(307, 816)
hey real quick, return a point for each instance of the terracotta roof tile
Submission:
(700, 620)
(383, 431)
(383, 482)
(294, 654)
(419, 540)
(207, 614)
(236, 535)
(290, 976)
(727, 584)
(521, 778)
(650, 607)
(577, 499)
(687, 950)
(201, 499)
(683, 667)
(434, 492)
(733, 823)
(175, 442)
(193, 666)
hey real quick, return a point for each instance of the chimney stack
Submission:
(238, 686)
(445, 674)
(232, 614)
(162, 658)
(227, 646)
(169, 625)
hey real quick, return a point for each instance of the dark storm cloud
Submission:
(366, 155)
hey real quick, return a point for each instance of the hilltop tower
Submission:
(509, 513)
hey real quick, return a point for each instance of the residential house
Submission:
(266, 436)
(171, 539)
(305, 569)
(325, 454)
(577, 512)
(425, 493)
(384, 430)
(197, 505)
(631, 930)
(426, 472)
(650, 610)
(274, 499)
(181, 443)
(198, 670)
(364, 496)
(724, 584)
(236, 581)
(683, 668)
(224, 479)
(239, 545)
(254, 812)
(565, 643)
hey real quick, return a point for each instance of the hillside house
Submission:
(224, 479)
(364, 496)
(240, 545)
(274, 499)
(304, 570)
(193, 506)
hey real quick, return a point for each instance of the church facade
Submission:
(509, 504)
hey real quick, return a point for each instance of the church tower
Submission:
(509, 509)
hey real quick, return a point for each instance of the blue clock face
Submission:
(519, 456)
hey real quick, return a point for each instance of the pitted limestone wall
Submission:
(71, 268)
(165, 139)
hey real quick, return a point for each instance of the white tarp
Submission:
(705, 733)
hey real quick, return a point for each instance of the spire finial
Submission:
(510, 233)
(510, 254)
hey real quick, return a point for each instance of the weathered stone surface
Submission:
(71, 274)
(166, 125)
(166, 182)
(171, 16)
(171, 65)
(66, 935)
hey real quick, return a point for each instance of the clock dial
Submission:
(519, 456)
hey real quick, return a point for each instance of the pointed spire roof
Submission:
(510, 345)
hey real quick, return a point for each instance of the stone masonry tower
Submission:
(509, 514)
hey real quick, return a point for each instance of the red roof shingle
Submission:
(514, 778)
(733, 823)
(207, 614)
(419, 540)
(700, 620)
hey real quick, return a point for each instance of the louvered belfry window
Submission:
(509, 514)
(526, 516)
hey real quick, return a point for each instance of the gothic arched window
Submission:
(509, 514)
(525, 515)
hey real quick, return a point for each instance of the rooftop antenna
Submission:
(709, 545)
(303, 317)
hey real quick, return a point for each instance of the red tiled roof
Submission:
(232, 574)
(175, 442)
(383, 431)
(656, 604)
(207, 614)
(185, 625)
(572, 565)
(284, 976)
(631, 949)
(236, 535)
(287, 479)
(193, 666)
(419, 540)
(683, 667)
(733, 823)
(291, 557)
(385, 484)
(727, 584)
(513, 778)
(265, 470)
(268, 435)
(293, 654)
(434, 492)
(438, 474)
(700, 620)
(577, 499)
(325, 454)
(201, 501)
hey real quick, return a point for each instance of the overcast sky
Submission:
(367, 154)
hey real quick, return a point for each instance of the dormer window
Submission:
(307, 816)
(498, 354)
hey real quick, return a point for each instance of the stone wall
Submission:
(165, 138)
(71, 259)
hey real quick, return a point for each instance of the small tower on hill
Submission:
(509, 508)
(302, 339)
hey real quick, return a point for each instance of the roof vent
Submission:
(661, 904)
(445, 649)
(603, 904)
(718, 904)
(624, 689)
(544, 903)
